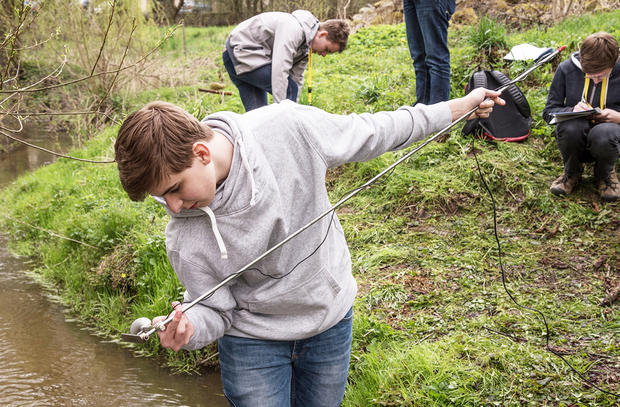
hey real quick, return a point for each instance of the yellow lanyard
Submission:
(603, 100)
(310, 78)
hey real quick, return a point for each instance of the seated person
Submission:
(590, 78)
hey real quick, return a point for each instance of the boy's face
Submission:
(193, 187)
(322, 46)
(599, 76)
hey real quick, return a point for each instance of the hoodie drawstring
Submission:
(216, 232)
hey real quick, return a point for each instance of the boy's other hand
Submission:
(608, 116)
(178, 332)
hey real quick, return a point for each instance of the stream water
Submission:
(46, 359)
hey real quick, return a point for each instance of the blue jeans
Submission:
(306, 372)
(426, 22)
(254, 85)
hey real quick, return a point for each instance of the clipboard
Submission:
(563, 116)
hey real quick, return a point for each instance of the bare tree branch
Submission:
(105, 37)
(133, 28)
(144, 57)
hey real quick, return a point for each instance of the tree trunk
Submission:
(166, 11)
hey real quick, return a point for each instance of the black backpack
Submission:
(510, 122)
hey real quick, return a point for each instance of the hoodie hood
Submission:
(574, 58)
(309, 24)
(225, 124)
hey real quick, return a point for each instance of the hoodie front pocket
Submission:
(314, 295)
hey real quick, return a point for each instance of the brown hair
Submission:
(337, 32)
(154, 143)
(598, 52)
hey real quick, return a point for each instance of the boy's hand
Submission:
(484, 99)
(481, 97)
(608, 116)
(581, 106)
(178, 332)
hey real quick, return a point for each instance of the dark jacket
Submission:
(567, 87)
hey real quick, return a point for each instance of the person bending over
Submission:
(268, 53)
(236, 185)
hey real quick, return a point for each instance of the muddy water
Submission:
(48, 360)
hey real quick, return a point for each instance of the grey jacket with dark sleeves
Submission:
(276, 38)
(276, 185)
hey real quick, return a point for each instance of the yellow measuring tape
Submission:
(603, 100)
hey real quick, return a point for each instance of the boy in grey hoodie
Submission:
(235, 186)
(268, 53)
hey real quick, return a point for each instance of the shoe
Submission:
(564, 184)
(608, 187)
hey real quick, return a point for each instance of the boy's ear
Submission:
(202, 152)
(321, 34)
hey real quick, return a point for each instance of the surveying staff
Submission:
(268, 53)
(284, 329)
(426, 23)
(590, 78)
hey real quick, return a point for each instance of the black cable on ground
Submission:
(534, 310)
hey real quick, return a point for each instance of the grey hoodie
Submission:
(276, 38)
(276, 184)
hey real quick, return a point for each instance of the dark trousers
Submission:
(580, 141)
(426, 25)
(254, 85)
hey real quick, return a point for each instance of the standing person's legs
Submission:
(434, 19)
(255, 373)
(321, 366)
(251, 85)
(415, 41)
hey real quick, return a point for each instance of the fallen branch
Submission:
(217, 92)
(611, 297)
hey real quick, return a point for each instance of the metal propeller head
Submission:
(138, 331)
(141, 324)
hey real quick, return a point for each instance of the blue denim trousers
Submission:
(307, 372)
(426, 23)
(254, 85)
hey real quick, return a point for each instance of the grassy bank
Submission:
(422, 243)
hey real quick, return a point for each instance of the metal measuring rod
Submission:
(142, 328)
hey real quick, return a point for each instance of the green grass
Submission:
(422, 242)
